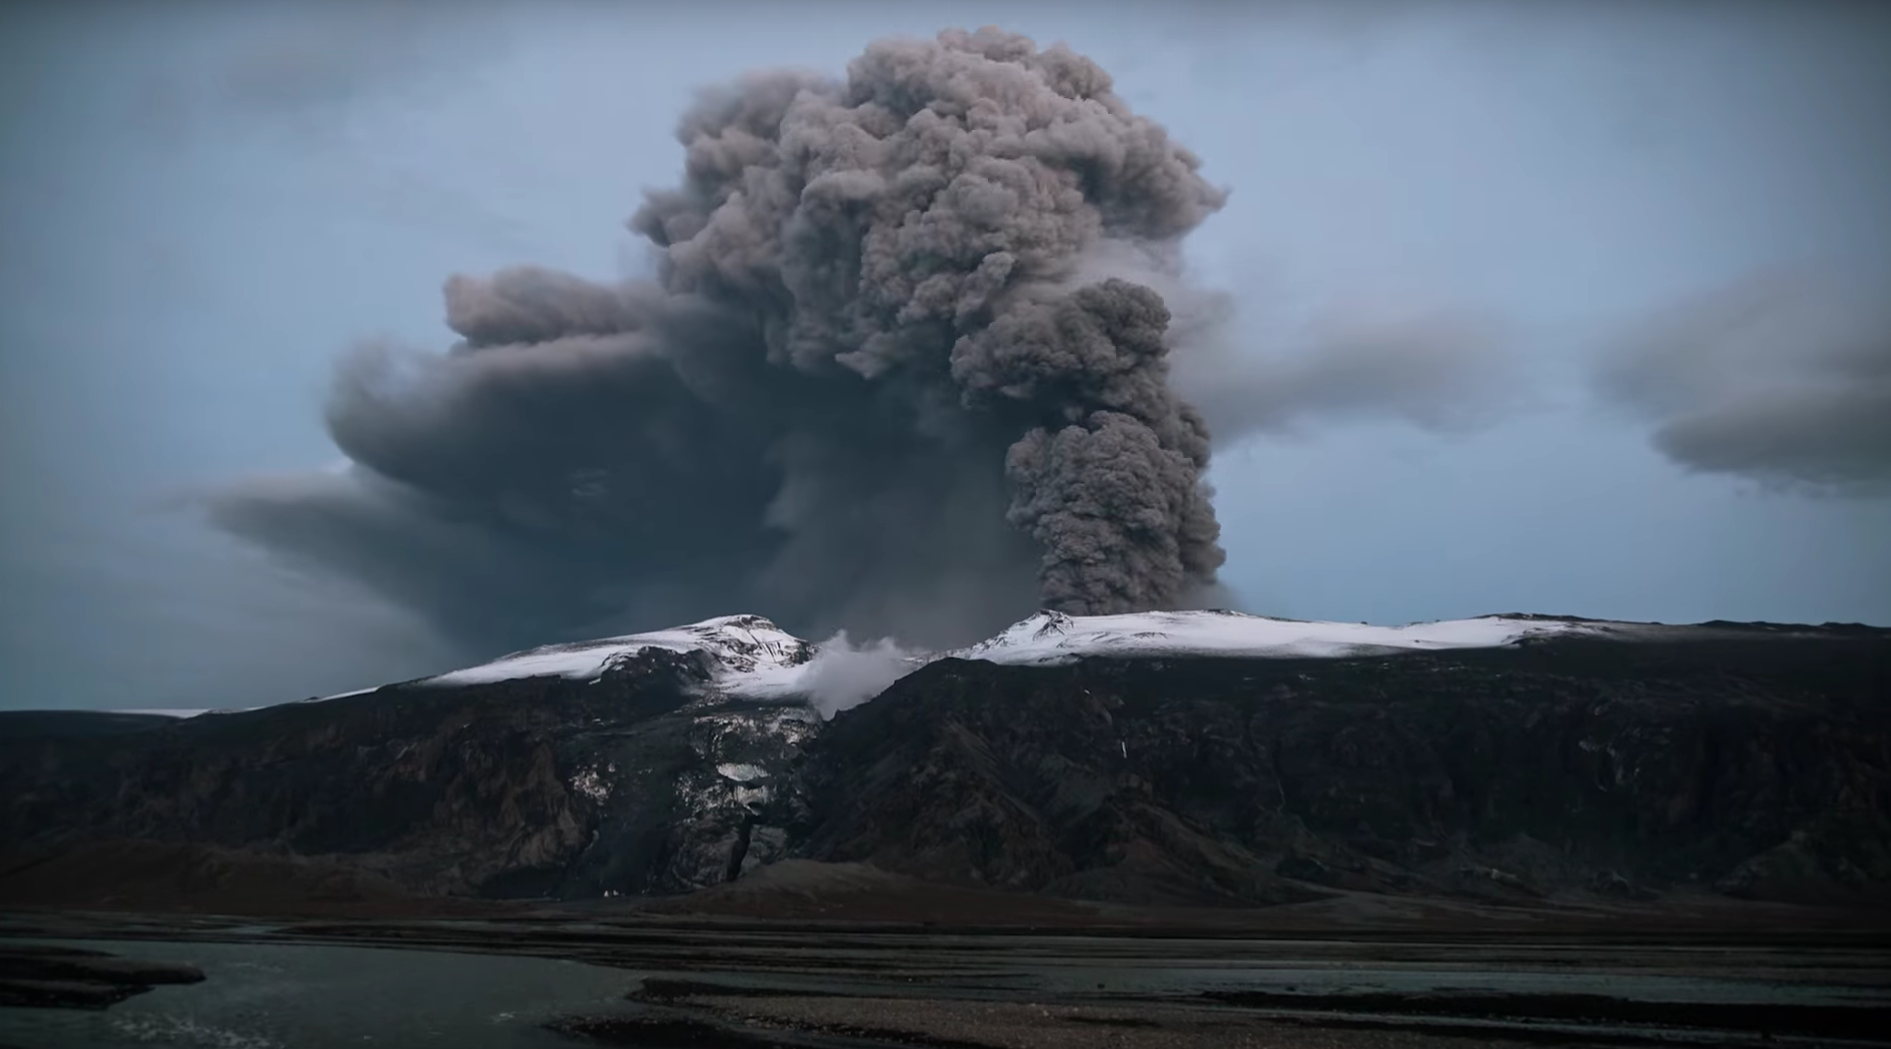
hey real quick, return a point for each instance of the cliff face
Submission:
(515, 788)
(1750, 762)
(1758, 766)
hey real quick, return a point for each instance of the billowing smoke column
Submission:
(873, 386)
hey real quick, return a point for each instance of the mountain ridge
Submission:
(753, 657)
(1529, 761)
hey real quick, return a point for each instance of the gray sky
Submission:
(206, 204)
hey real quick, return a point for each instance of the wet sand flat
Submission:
(672, 981)
(1030, 1025)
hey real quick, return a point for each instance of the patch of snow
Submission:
(747, 796)
(342, 695)
(794, 725)
(752, 657)
(749, 657)
(187, 712)
(591, 783)
(741, 773)
(1049, 638)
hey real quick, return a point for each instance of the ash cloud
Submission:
(1781, 379)
(306, 64)
(1249, 371)
(873, 385)
(1440, 369)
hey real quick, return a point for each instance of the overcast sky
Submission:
(205, 204)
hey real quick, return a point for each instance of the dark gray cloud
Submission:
(1440, 369)
(311, 76)
(1785, 380)
(872, 387)
(309, 63)
(1249, 367)
(296, 71)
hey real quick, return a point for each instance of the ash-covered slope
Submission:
(1163, 757)
(630, 765)
(1589, 758)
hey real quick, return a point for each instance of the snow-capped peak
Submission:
(751, 656)
(1057, 637)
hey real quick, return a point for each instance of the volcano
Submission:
(1201, 759)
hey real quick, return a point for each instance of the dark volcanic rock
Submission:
(1751, 761)
(519, 788)
(1762, 766)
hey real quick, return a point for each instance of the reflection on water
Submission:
(264, 995)
(287, 996)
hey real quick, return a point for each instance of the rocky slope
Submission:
(1183, 759)
(1753, 764)
(644, 779)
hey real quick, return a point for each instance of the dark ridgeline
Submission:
(1752, 762)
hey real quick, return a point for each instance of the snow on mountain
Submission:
(189, 712)
(1054, 637)
(753, 657)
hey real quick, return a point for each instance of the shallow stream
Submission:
(288, 996)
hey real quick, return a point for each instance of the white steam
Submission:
(843, 675)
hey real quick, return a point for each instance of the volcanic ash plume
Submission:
(871, 386)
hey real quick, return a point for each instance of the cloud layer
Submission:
(1785, 380)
